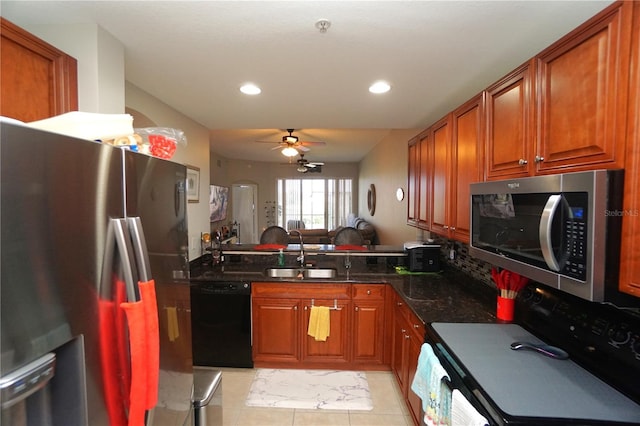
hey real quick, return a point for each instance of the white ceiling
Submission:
(194, 55)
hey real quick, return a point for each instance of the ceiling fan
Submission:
(291, 145)
(306, 166)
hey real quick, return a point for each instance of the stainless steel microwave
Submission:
(560, 230)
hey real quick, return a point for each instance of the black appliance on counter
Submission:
(599, 384)
(221, 322)
(423, 257)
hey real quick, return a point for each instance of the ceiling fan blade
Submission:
(312, 143)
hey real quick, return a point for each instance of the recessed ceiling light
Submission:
(379, 87)
(250, 89)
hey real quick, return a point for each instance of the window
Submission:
(319, 203)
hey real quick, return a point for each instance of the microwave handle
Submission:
(546, 221)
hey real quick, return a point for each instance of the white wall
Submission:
(385, 166)
(225, 172)
(196, 153)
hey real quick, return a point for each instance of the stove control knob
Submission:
(635, 346)
(619, 335)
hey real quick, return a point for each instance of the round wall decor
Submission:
(371, 199)
(400, 194)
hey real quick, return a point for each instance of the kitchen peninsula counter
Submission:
(446, 296)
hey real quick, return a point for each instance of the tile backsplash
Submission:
(477, 268)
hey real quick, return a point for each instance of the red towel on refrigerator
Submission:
(142, 317)
(113, 357)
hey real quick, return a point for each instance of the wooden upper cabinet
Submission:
(38, 80)
(458, 156)
(582, 83)
(419, 181)
(413, 182)
(629, 282)
(425, 166)
(510, 111)
(467, 149)
(440, 175)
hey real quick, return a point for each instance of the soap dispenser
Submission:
(281, 258)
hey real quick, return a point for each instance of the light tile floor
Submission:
(388, 407)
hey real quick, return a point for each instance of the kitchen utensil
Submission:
(547, 350)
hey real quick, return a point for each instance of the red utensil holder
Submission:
(505, 308)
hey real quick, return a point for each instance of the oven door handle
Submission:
(545, 231)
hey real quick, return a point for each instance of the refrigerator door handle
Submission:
(176, 198)
(140, 248)
(123, 243)
(107, 263)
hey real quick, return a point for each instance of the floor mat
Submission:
(310, 389)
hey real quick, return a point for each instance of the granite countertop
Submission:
(316, 250)
(446, 296)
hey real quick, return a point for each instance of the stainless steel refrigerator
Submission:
(85, 228)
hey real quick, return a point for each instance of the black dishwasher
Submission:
(221, 323)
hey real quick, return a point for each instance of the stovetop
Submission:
(599, 383)
(600, 337)
(528, 384)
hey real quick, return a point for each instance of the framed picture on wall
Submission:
(193, 184)
(218, 199)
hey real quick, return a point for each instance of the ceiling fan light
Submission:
(302, 169)
(290, 139)
(289, 152)
(379, 87)
(250, 89)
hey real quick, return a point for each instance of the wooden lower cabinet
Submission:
(276, 329)
(281, 314)
(368, 323)
(335, 349)
(407, 337)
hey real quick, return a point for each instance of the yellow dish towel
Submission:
(319, 323)
(173, 331)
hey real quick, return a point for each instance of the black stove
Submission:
(599, 383)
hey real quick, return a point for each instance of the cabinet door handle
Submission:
(445, 227)
(368, 291)
(403, 331)
(295, 308)
(523, 162)
(416, 325)
(539, 159)
(406, 336)
(357, 309)
(453, 228)
(399, 303)
(305, 308)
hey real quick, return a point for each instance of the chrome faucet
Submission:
(300, 258)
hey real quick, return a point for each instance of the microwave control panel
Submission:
(576, 249)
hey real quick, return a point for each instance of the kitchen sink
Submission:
(300, 272)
